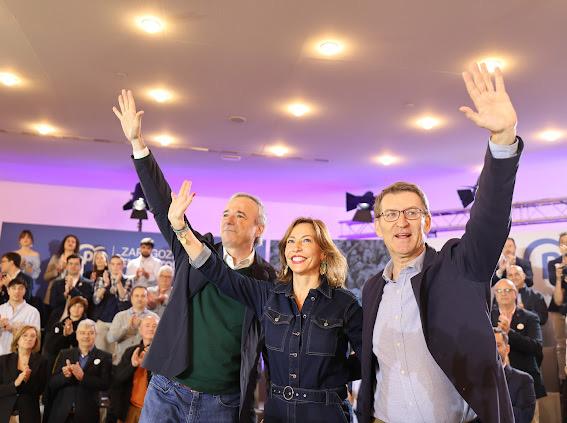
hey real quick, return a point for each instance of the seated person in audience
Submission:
(158, 296)
(73, 285)
(124, 327)
(144, 268)
(100, 266)
(520, 384)
(15, 313)
(23, 376)
(557, 273)
(31, 260)
(63, 334)
(79, 376)
(10, 267)
(509, 258)
(130, 380)
(527, 297)
(57, 265)
(523, 330)
(111, 295)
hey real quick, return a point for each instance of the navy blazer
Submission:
(170, 353)
(526, 267)
(522, 394)
(453, 295)
(526, 344)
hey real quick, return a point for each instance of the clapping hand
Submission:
(24, 376)
(494, 110)
(504, 323)
(138, 357)
(67, 327)
(77, 371)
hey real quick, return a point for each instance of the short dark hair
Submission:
(511, 239)
(118, 257)
(504, 335)
(13, 257)
(138, 287)
(24, 233)
(17, 281)
(75, 256)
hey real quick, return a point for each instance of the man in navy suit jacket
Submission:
(520, 384)
(201, 331)
(428, 351)
(509, 258)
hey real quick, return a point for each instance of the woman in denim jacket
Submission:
(308, 318)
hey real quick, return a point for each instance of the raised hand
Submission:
(137, 357)
(66, 370)
(494, 110)
(67, 327)
(179, 204)
(130, 119)
(22, 377)
(77, 371)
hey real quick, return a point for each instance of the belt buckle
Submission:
(288, 392)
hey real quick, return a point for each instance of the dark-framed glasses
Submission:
(413, 213)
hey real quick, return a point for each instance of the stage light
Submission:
(9, 79)
(330, 48)
(467, 195)
(363, 205)
(160, 95)
(298, 109)
(138, 206)
(492, 63)
(278, 150)
(551, 135)
(164, 139)
(428, 122)
(387, 159)
(150, 24)
(44, 129)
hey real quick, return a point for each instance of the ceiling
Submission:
(249, 58)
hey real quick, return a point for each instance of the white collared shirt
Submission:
(242, 264)
(23, 314)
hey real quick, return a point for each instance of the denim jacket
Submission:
(307, 348)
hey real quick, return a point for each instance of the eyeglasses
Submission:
(413, 213)
(502, 290)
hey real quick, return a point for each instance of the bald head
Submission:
(505, 292)
(516, 274)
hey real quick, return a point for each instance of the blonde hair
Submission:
(18, 335)
(335, 261)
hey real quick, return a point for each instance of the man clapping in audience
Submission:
(509, 258)
(144, 269)
(15, 314)
(125, 325)
(158, 296)
(79, 376)
(73, 285)
(527, 297)
(130, 380)
(111, 295)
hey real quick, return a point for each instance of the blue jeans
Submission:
(170, 402)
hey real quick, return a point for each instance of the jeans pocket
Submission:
(161, 383)
(323, 336)
(229, 400)
(276, 327)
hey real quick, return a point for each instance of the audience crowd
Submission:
(80, 348)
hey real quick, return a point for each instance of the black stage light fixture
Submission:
(138, 205)
(363, 205)
(467, 195)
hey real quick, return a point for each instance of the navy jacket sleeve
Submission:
(525, 401)
(489, 225)
(246, 290)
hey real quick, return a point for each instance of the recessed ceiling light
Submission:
(387, 159)
(428, 122)
(164, 139)
(330, 47)
(9, 79)
(160, 95)
(278, 150)
(492, 63)
(150, 24)
(44, 128)
(551, 135)
(298, 109)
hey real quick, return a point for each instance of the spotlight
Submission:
(467, 195)
(138, 206)
(363, 205)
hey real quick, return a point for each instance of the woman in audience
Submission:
(23, 376)
(30, 258)
(100, 265)
(57, 263)
(63, 334)
(307, 317)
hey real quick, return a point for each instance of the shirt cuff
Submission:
(140, 154)
(201, 258)
(499, 151)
